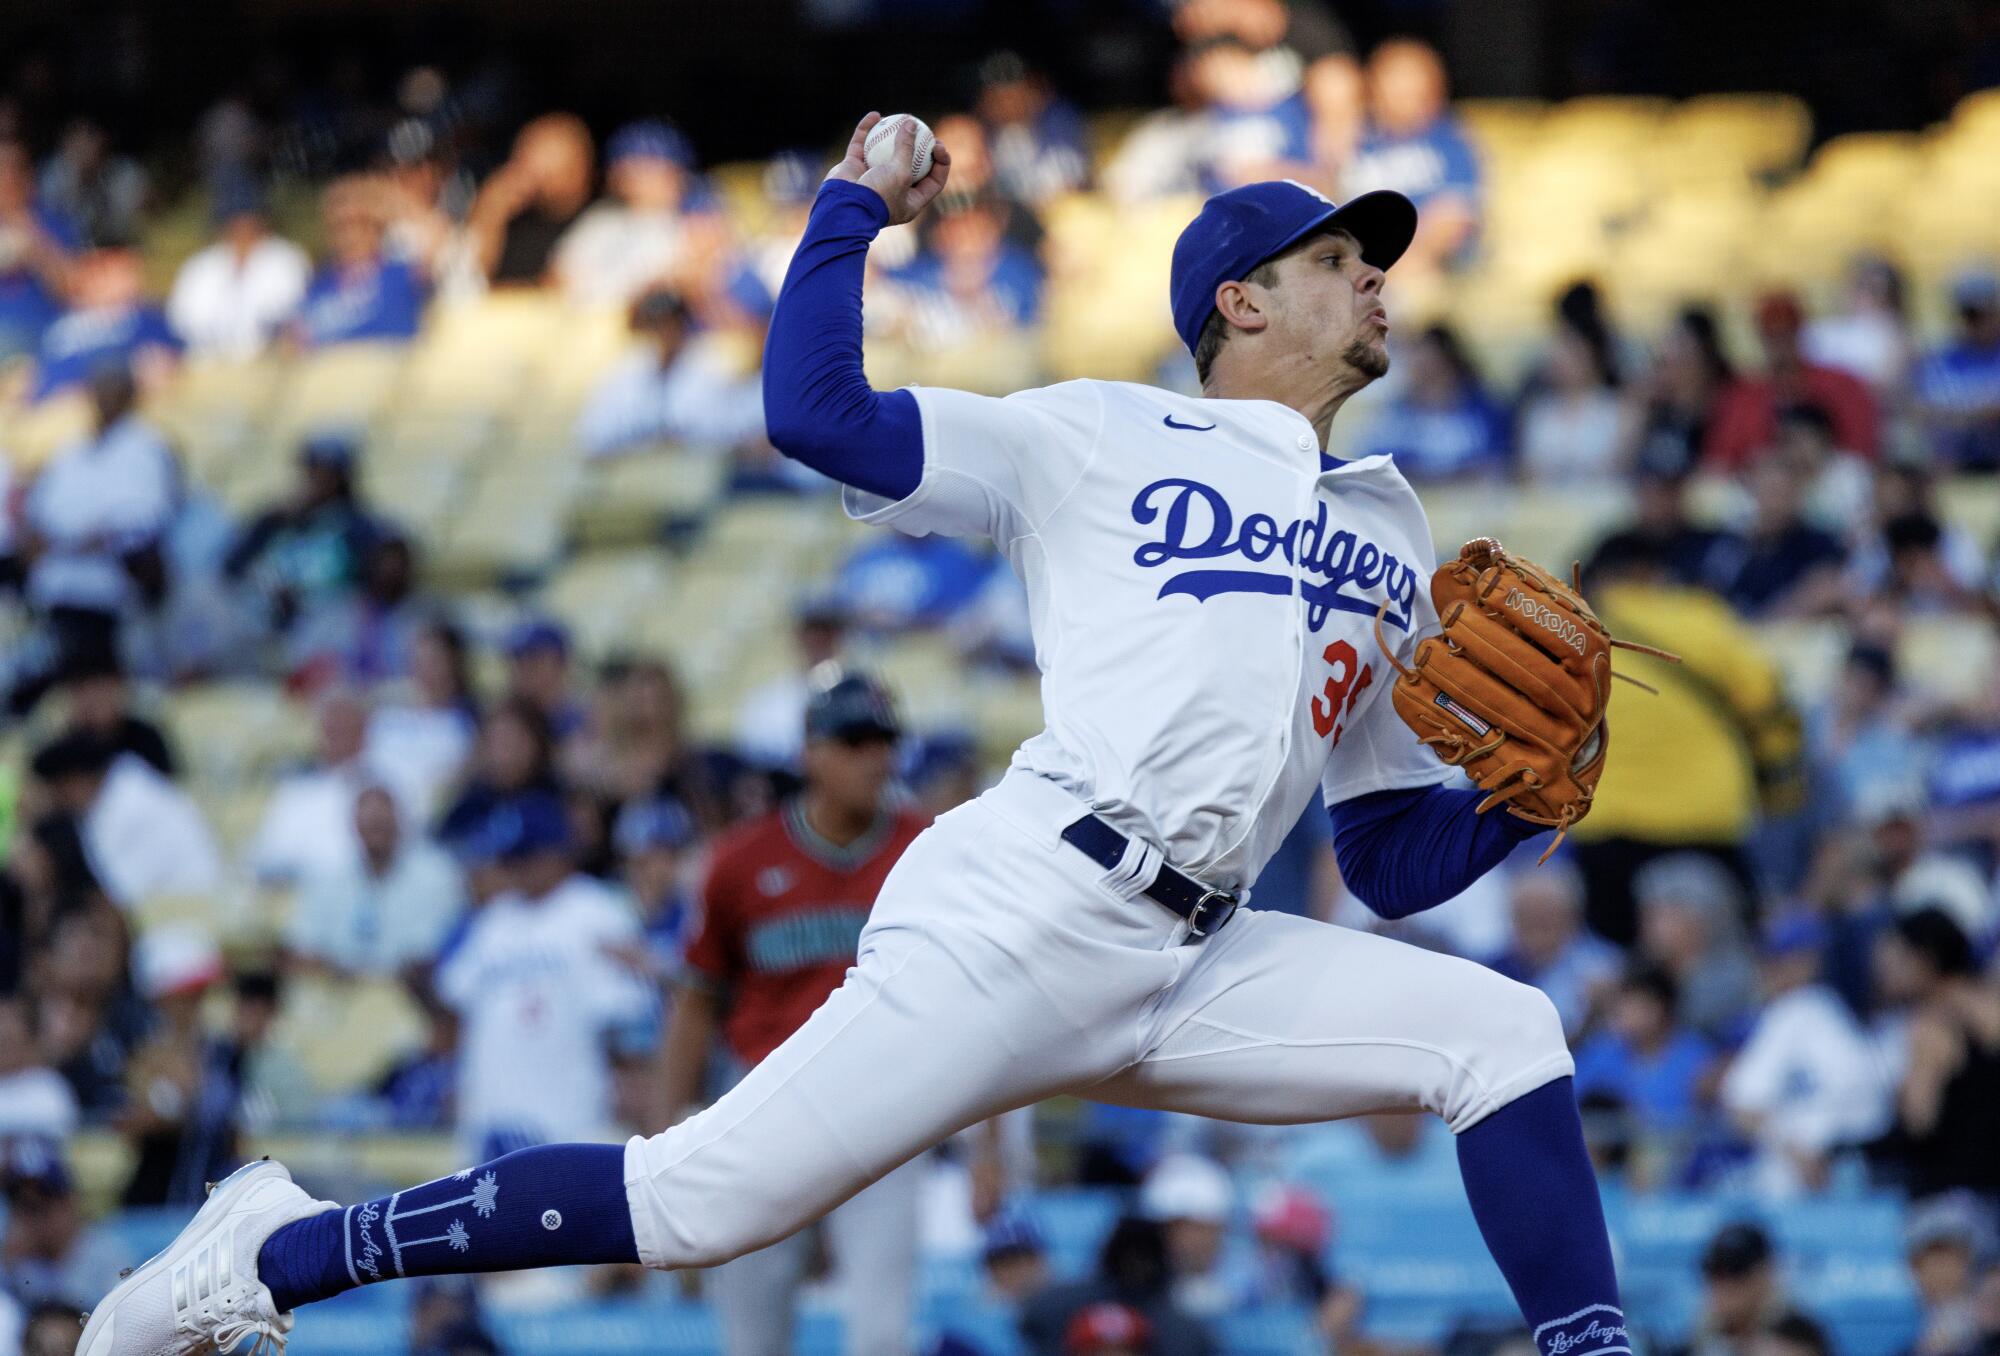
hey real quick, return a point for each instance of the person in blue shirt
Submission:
(1645, 1059)
(1412, 144)
(361, 293)
(1256, 123)
(1038, 141)
(899, 583)
(37, 249)
(1958, 385)
(111, 326)
(971, 278)
(1442, 425)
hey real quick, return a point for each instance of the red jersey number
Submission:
(1347, 681)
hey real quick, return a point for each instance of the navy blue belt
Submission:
(1205, 908)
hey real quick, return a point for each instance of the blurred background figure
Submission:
(635, 236)
(1414, 145)
(526, 205)
(360, 293)
(232, 298)
(1958, 384)
(782, 905)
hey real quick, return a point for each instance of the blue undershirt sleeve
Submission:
(818, 406)
(1404, 851)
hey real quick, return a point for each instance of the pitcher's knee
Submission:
(704, 1208)
(1516, 1045)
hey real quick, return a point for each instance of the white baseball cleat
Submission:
(202, 1294)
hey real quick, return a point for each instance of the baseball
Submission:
(881, 144)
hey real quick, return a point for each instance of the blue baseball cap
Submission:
(661, 822)
(527, 825)
(649, 140)
(1240, 229)
(1009, 1233)
(537, 633)
(1794, 933)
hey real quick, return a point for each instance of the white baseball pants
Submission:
(1001, 966)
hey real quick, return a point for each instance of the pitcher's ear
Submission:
(1237, 304)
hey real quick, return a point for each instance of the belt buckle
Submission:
(1199, 924)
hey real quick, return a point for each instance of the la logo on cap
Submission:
(1308, 188)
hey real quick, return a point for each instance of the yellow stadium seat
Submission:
(1809, 653)
(602, 593)
(1950, 658)
(346, 1033)
(1500, 123)
(232, 734)
(42, 430)
(1867, 165)
(1769, 132)
(627, 500)
(509, 525)
(345, 386)
(1619, 122)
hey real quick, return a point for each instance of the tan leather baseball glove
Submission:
(1513, 689)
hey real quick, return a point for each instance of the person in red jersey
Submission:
(783, 905)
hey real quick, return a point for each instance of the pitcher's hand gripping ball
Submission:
(880, 147)
(1513, 689)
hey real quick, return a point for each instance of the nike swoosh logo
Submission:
(1171, 422)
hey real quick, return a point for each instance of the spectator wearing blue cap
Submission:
(1806, 1084)
(539, 986)
(48, 1254)
(653, 838)
(1958, 385)
(231, 298)
(1013, 1258)
(361, 293)
(539, 673)
(638, 234)
(513, 757)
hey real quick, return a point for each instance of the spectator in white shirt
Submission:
(1806, 1083)
(387, 910)
(231, 299)
(421, 738)
(34, 1099)
(92, 524)
(540, 988)
(673, 387)
(1569, 432)
(308, 826)
(637, 236)
(143, 837)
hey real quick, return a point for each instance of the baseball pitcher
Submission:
(1228, 622)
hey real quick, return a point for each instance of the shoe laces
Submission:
(208, 1293)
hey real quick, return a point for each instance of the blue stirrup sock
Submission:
(1534, 1194)
(550, 1206)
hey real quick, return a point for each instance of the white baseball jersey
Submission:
(538, 989)
(1203, 598)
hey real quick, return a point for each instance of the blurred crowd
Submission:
(1772, 943)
